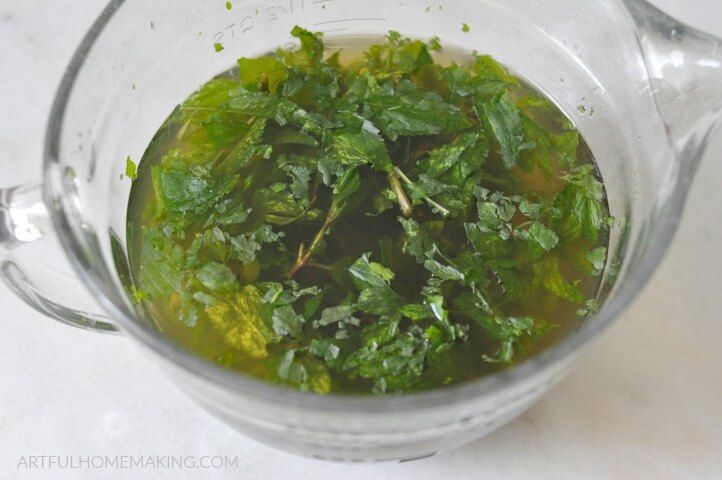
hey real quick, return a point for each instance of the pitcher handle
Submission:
(34, 267)
(685, 72)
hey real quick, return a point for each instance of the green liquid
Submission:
(360, 231)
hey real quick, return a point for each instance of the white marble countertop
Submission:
(646, 403)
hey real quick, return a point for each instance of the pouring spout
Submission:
(685, 72)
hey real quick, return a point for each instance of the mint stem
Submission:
(444, 211)
(398, 189)
(305, 255)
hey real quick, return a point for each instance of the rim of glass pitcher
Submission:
(54, 190)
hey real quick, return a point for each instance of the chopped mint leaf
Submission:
(416, 312)
(566, 145)
(263, 71)
(217, 277)
(243, 321)
(247, 245)
(444, 158)
(443, 272)
(548, 274)
(355, 149)
(590, 308)
(504, 121)
(218, 47)
(581, 203)
(342, 314)
(187, 192)
(286, 322)
(371, 273)
(161, 261)
(305, 374)
(379, 301)
(396, 366)
(597, 258)
(541, 236)
(262, 104)
(540, 155)
(131, 170)
(409, 111)
(328, 350)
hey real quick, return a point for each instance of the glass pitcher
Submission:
(644, 90)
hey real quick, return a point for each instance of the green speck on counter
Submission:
(581, 108)
(465, 28)
(229, 5)
(131, 170)
(428, 9)
(219, 47)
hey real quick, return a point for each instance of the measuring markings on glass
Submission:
(344, 20)
(250, 20)
(280, 10)
(334, 30)
(275, 12)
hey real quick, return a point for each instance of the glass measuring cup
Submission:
(653, 87)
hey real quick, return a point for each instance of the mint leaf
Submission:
(262, 72)
(508, 331)
(247, 149)
(232, 212)
(200, 106)
(443, 272)
(306, 374)
(597, 259)
(490, 70)
(247, 245)
(396, 366)
(371, 273)
(261, 104)
(485, 242)
(361, 148)
(379, 301)
(286, 322)
(217, 277)
(131, 170)
(416, 312)
(504, 121)
(341, 313)
(581, 203)
(161, 261)
(325, 349)
(566, 145)
(278, 206)
(540, 236)
(312, 47)
(548, 275)
(408, 111)
(540, 154)
(187, 192)
(418, 241)
(399, 56)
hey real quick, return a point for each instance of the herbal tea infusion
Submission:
(388, 224)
